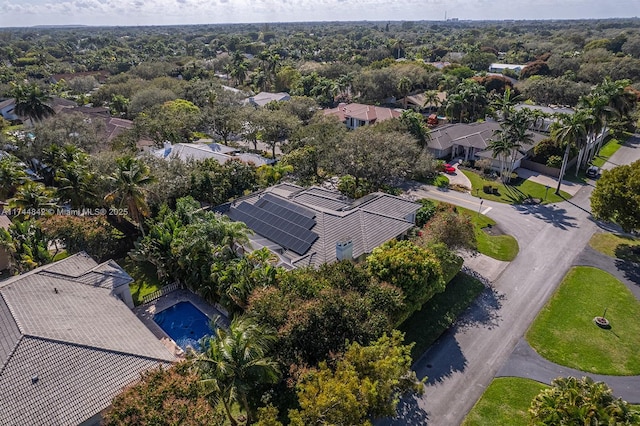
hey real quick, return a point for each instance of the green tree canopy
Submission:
(365, 383)
(616, 196)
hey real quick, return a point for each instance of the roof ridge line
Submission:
(13, 351)
(96, 348)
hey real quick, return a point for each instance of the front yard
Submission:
(514, 193)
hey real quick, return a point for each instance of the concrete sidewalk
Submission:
(570, 188)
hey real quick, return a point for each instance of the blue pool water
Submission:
(185, 324)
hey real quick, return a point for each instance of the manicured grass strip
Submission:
(564, 331)
(505, 402)
(606, 151)
(437, 315)
(500, 247)
(515, 192)
(619, 246)
(439, 180)
(145, 280)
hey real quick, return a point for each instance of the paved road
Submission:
(465, 359)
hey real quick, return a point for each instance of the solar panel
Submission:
(288, 215)
(286, 204)
(279, 230)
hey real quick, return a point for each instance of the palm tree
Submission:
(431, 99)
(505, 103)
(501, 148)
(130, 178)
(234, 362)
(33, 199)
(31, 101)
(572, 401)
(74, 181)
(234, 233)
(12, 175)
(27, 244)
(404, 87)
(572, 131)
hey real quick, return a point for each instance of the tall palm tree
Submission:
(501, 148)
(572, 131)
(130, 178)
(505, 103)
(234, 362)
(432, 99)
(234, 233)
(31, 101)
(404, 87)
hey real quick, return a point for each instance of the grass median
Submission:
(505, 402)
(564, 331)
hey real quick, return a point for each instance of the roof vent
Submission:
(55, 290)
(34, 380)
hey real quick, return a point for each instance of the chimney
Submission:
(344, 249)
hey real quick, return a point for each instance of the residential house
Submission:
(203, 151)
(500, 68)
(471, 142)
(418, 101)
(263, 98)
(313, 226)
(69, 343)
(358, 115)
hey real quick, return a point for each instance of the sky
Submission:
(17, 13)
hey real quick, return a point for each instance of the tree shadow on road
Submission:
(550, 213)
(630, 270)
(485, 311)
(409, 413)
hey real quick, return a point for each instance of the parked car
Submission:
(448, 168)
(593, 171)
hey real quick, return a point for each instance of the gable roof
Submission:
(67, 344)
(369, 113)
(366, 222)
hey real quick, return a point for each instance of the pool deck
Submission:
(147, 311)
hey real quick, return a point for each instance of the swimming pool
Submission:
(185, 324)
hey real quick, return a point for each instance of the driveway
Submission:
(462, 363)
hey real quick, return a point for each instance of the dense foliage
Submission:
(616, 196)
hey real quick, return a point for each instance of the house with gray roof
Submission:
(263, 98)
(203, 151)
(69, 343)
(471, 142)
(312, 226)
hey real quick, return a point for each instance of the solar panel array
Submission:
(286, 204)
(290, 235)
(288, 215)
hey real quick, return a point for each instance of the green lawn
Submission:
(564, 331)
(515, 192)
(619, 246)
(145, 280)
(500, 247)
(439, 180)
(505, 402)
(437, 315)
(606, 151)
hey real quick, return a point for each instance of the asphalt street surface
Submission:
(462, 363)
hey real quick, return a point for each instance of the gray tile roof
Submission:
(367, 222)
(63, 323)
(57, 383)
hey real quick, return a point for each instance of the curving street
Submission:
(462, 363)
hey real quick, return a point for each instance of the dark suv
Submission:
(593, 171)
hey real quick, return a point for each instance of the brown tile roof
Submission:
(370, 113)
